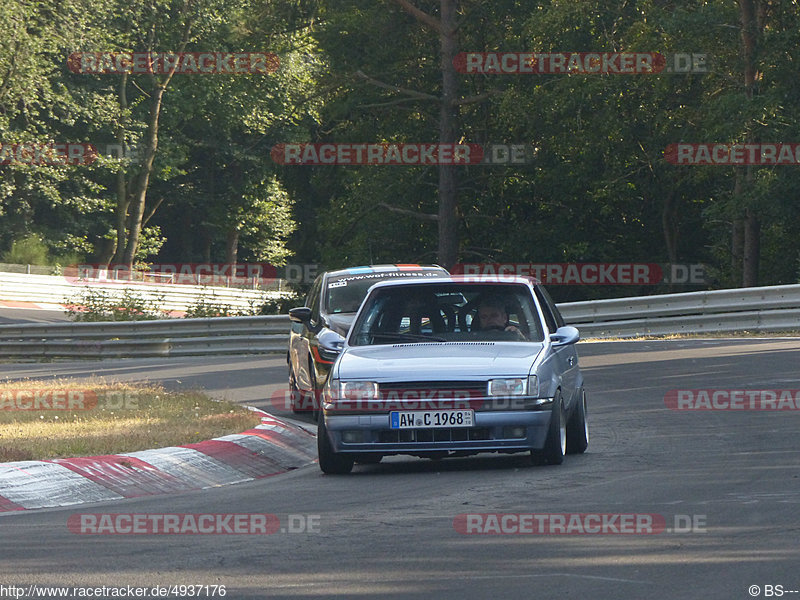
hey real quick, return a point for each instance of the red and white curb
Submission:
(271, 448)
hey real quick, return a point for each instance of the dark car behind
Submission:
(318, 328)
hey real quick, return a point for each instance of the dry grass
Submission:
(107, 418)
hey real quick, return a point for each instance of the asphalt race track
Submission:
(729, 480)
(11, 316)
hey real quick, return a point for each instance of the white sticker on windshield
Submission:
(337, 284)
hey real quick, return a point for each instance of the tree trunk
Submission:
(150, 143)
(737, 251)
(669, 229)
(447, 216)
(231, 246)
(121, 212)
(752, 249)
(143, 180)
(751, 14)
(448, 189)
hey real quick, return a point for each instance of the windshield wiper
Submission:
(408, 336)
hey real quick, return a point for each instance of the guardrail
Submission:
(166, 337)
(756, 309)
(770, 308)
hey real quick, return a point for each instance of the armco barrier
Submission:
(167, 337)
(771, 308)
(754, 309)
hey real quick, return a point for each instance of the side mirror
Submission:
(564, 336)
(300, 314)
(330, 345)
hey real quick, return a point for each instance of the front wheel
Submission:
(294, 391)
(578, 428)
(315, 392)
(330, 462)
(556, 444)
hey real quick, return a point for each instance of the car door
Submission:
(565, 357)
(303, 335)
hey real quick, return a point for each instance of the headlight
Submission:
(358, 390)
(514, 386)
(511, 386)
(533, 385)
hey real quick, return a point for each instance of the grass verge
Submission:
(66, 418)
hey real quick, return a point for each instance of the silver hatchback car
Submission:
(454, 366)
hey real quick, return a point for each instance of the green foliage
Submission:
(278, 306)
(598, 190)
(94, 304)
(204, 307)
(30, 250)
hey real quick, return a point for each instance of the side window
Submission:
(313, 300)
(559, 319)
(547, 309)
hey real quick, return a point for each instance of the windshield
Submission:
(345, 293)
(448, 312)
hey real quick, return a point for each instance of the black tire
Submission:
(330, 462)
(555, 445)
(578, 428)
(294, 392)
(369, 459)
(315, 393)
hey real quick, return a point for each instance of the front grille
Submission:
(453, 434)
(409, 390)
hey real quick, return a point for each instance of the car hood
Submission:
(437, 361)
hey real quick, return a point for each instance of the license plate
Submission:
(431, 419)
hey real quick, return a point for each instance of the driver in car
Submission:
(492, 316)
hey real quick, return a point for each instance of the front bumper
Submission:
(494, 431)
